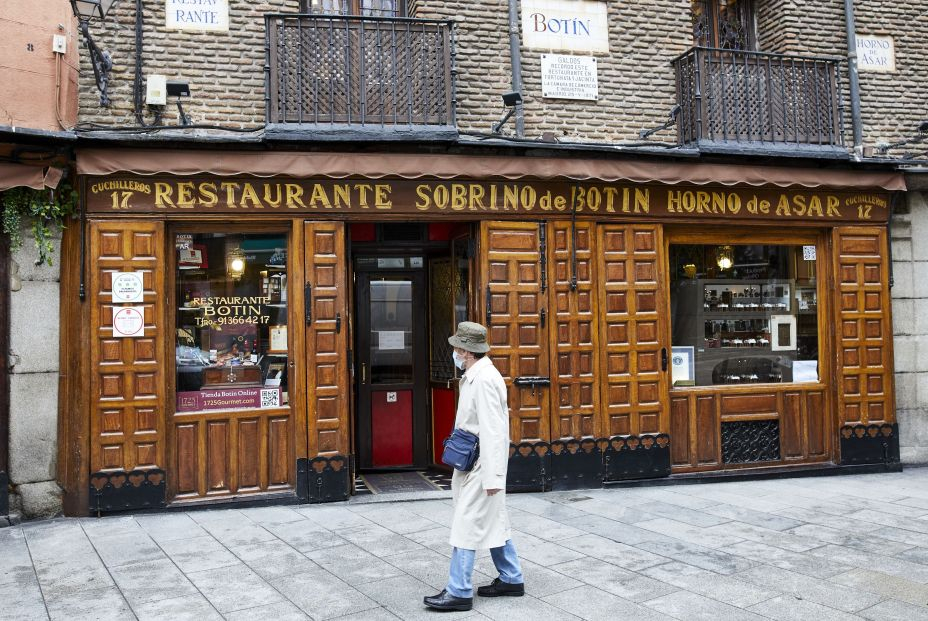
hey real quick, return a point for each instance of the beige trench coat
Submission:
(481, 521)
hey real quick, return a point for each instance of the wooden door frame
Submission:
(767, 235)
(296, 387)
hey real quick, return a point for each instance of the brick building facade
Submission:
(228, 75)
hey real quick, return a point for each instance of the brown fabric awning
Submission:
(414, 166)
(20, 175)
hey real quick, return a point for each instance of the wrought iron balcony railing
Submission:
(736, 98)
(344, 75)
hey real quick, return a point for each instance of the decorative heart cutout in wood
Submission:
(337, 463)
(633, 442)
(525, 450)
(99, 482)
(319, 466)
(137, 478)
(118, 480)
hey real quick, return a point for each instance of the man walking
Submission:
(480, 518)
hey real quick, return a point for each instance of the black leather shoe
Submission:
(446, 601)
(499, 588)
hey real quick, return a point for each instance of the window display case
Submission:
(743, 314)
(731, 329)
(231, 320)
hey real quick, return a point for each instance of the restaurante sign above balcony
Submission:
(575, 25)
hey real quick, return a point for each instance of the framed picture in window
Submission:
(683, 362)
(277, 340)
(782, 332)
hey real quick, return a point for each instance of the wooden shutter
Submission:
(327, 376)
(574, 339)
(127, 381)
(634, 385)
(865, 393)
(513, 306)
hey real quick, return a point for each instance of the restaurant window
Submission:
(231, 321)
(370, 8)
(725, 24)
(743, 314)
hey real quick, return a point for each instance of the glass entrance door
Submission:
(392, 369)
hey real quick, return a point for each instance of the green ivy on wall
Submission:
(43, 209)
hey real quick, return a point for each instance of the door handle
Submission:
(544, 316)
(363, 372)
(489, 311)
(663, 358)
(338, 323)
(308, 301)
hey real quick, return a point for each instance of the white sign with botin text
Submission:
(566, 25)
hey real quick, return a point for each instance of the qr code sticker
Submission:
(270, 398)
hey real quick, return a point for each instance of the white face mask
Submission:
(458, 359)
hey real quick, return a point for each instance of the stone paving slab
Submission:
(841, 548)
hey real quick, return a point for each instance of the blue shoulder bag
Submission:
(462, 448)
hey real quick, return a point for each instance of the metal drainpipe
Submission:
(516, 61)
(854, 81)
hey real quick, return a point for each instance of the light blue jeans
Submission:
(462, 568)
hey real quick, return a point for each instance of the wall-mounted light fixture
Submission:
(179, 88)
(235, 263)
(725, 257)
(85, 11)
(511, 101)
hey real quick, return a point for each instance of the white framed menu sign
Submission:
(128, 321)
(127, 287)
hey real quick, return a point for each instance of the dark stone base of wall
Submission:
(587, 463)
(4, 494)
(127, 491)
(323, 479)
(870, 444)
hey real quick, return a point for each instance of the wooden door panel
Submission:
(127, 383)
(680, 450)
(634, 391)
(707, 431)
(327, 373)
(575, 337)
(511, 268)
(817, 424)
(865, 392)
(791, 436)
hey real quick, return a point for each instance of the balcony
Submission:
(336, 77)
(753, 102)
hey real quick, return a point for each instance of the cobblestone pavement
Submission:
(827, 548)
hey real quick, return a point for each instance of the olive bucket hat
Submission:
(470, 336)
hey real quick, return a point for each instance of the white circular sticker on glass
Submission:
(127, 287)
(129, 321)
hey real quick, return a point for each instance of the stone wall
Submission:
(910, 321)
(636, 80)
(34, 339)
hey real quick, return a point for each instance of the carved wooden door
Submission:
(514, 281)
(574, 339)
(127, 383)
(865, 394)
(634, 339)
(327, 374)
